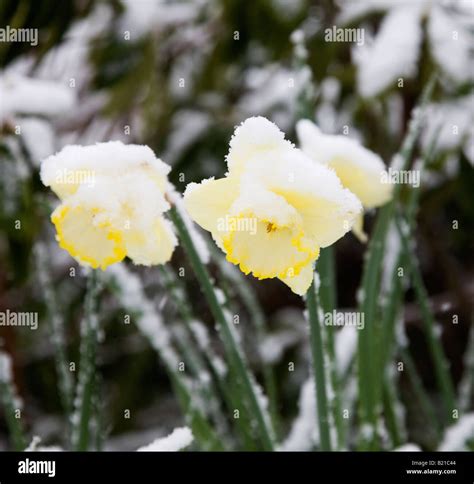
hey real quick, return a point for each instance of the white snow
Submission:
(391, 254)
(451, 45)
(273, 88)
(324, 148)
(329, 150)
(35, 447)
(351, 10)
(126, 182)
(5, 368)
(408, 448)
(149, 321)
(24, 95)
(177, 440)
(456, 436)
(112, 158)
(141, 16)
(187, 127)
(304, 432)
(346, 345)
(201, 334)
(393, 54)
(38, 136)
(70, 59)
(454, 118)
(289, 168)
(273, 346)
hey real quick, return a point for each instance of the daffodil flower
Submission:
(275, 208)
(113, 201)
(359, 169)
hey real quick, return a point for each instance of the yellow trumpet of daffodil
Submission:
(275, 208)
(113, 204)
(359, 169)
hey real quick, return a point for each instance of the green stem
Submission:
(393, 303)
(233, 351)
(388, 395)
(57, 329)
(257, 317)
(88, 350)
(120, 281)
(317, 350)
(7, 398)
(466, 386)
(441, 366)
(419, 390)
(369, 377)
(327, 293)
(203, 431)
(187, 346)
(370, 374)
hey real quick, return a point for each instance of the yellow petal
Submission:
(88, 235)
(300, 283)
(359, 169)
(270, 250)
(323, 220)
(67, 182)
(152, 246)
(367, 185)
(313, 190)
(358, 228)
(209, 201)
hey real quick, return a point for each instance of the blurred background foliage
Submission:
(179, 76)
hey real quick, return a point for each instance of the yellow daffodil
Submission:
(113, 201)
(359, 169)
(275, 208)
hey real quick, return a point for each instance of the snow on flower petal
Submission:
(113, 201)
(275, 208)
(327, 210)
(359, 169)
(76, 165)
(253, 137)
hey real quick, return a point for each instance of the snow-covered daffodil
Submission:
(359, 169)
(275, 208)
(112, 203)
